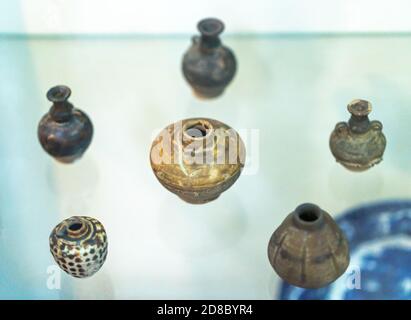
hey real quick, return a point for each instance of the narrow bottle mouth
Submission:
(359, 107)
(308, 215)
(197, 129)
(76, 227)
(59, 93)
(197, 140)
(210, 27)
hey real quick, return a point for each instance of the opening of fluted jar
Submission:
(308, 216)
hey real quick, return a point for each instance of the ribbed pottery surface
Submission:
(380, 249)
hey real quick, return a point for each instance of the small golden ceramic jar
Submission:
(308, 249)
(359, 144)
(197, 159)
(79, 246)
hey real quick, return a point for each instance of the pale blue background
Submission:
(292, 89)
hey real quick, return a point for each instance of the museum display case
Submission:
(288, 93)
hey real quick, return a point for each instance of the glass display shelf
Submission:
(287, 96)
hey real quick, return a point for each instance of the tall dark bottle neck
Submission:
(359, 124)
(359, 109)
(210, 29)
(209, 42)
(61, 111)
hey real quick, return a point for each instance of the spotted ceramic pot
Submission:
(208, 65)
(359, 143)
(64, 132)
(308, 249)
(79, 246)
(197, 159)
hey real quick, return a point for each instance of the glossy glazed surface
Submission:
(79, 246)
(64, 132)
(197, 158)
(66, 142)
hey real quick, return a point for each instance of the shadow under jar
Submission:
(197, 159)
(359, 144)
(79, 246)
(208, 65)
(308, 249)
(64, 132)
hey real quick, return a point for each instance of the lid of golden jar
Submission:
(197, 158)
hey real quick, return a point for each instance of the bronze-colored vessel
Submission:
(208, 65)
(359, 144)
(64, 132)
(308, 249)
(79, 246)
(197, 159)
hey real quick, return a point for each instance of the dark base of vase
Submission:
(67, 159)
(359, 168)
(202, 93)
(355, 169)
(193, 200)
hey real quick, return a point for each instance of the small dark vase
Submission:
(79, 246)
(308, 249)
(64, 132)
(209, 66)
(359, 144)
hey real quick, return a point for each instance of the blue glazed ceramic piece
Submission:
(379, 236)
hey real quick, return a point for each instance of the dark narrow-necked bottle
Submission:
(208, 65)
(64, 132)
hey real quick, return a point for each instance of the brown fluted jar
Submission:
(308, 249)
(208, 65)
(64, 132)
(197, 159)
(359, 144)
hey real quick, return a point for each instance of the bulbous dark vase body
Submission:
(359, 144)
(209, 66)
(308, 249)
(64, 132)
(79, 246)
